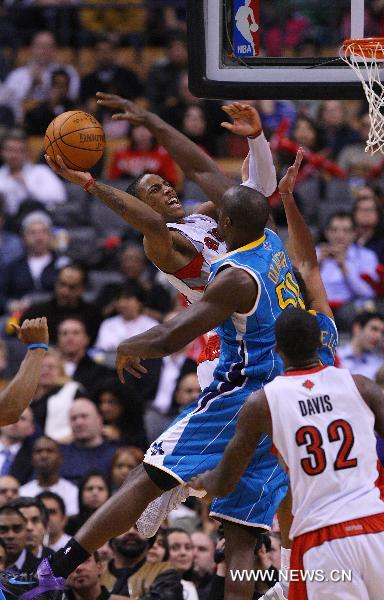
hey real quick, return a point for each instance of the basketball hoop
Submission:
(366, 57)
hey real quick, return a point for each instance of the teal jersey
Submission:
(247, 341)
(328, 337)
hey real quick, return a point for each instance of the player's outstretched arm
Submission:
(254, 420)
(220, 300)
(374, 397)
(300, 242)
(192, 160)
(260, 172)
(138, 214)
(15, 398)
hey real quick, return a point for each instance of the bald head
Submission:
(244, 214)
(86, 423)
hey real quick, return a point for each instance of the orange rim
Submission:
(371, 48)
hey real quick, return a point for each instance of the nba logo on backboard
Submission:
(246, 35)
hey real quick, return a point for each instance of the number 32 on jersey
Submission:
(316, 462)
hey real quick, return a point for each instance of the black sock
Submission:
(65, 560)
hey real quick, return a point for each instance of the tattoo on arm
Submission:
(135, 212)
(112, 197)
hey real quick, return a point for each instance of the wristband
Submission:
(37, 345)
(286, 193)
(255, 135)
(88, 184)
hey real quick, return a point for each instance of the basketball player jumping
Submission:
(322, 421)
(182, 247)
(245, 117)
(198, 438)
(243, 540)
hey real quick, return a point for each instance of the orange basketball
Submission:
(77, 137)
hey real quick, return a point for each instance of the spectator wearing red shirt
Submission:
(142, 156)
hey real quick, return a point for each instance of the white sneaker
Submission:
(278, 592)
(158, 510)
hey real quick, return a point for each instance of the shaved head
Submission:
(247, 209)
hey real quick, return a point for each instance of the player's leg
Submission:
(284, 512)
(120, 512)
(253, 504)
(194, 442)
(115, 517)
(371, 553)
(239, 555)
(339, 571)
(150, 480)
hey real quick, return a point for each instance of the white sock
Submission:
(285, 558)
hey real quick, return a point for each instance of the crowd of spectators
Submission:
(64, 255)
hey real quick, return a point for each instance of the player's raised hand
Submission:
(33, 331)
(59, 167)
(128, 111)
(129, 363)
(287, 183)
(246, 119)
(111, 101)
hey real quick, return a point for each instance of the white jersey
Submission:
(324, 431)
(202, 232)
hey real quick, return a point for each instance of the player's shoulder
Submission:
(272, 240)
(270, 232)
(329, 337)
(231, 276)
(233, 273)
(200, 218)
(272, 235)
(323, 319)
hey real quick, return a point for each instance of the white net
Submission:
(367, 62)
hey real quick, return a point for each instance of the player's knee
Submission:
(142, 483)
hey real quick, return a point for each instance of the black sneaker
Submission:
(42, 584)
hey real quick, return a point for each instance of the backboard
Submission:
(280, 49)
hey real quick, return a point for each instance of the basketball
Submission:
(77, 137)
